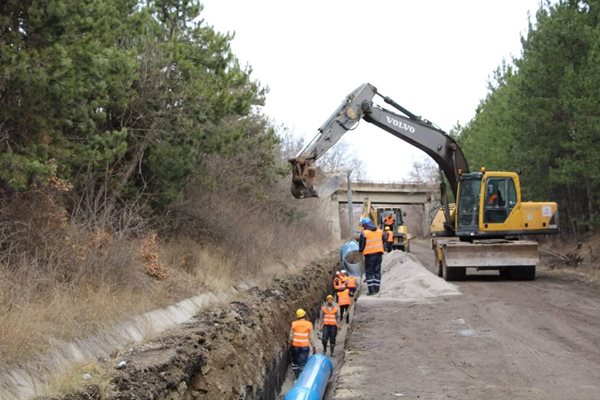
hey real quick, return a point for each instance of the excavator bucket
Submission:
(309, 181)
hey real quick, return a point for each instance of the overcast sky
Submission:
(433, 57)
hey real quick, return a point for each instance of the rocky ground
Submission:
(423, 338)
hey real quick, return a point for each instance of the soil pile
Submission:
(404, 278)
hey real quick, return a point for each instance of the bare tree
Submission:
(337, 159)
(340, 157)
(290, 144)
(424, 171)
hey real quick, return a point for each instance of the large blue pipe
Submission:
(313, 379)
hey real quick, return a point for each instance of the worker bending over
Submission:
(301, 339)
(370, 244)
(329, 316)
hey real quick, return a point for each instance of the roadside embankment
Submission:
(234, 351)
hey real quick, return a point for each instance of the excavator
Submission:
(483, 229)
(397, 226)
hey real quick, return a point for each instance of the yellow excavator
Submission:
(397, 226)
(380, 217)
(482, 230)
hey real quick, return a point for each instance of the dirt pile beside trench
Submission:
(404, 278)
(235, 351)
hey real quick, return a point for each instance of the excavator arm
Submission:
(408, 127)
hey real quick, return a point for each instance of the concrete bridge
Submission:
(415, 199)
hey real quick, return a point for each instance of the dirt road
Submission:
(496, 340)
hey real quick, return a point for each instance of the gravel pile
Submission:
(406, 279)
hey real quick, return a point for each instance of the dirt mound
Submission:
(236, 351)
(404, 278)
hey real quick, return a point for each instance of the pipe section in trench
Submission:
(312, 382)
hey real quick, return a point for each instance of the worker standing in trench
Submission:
(329, 317)
(301, 339)
(350, 282)
(370, 244)
(339, 284)
(344, 301)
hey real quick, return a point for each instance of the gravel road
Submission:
(483, 338)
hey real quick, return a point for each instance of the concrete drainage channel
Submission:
(233, 351)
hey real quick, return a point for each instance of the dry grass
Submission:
(59, 281)
(78, 377)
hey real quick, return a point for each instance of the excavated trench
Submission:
(233, 351)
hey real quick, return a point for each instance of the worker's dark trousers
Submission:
(329, 334)
(388, 246)
(373, 272)
(347, 310)
(299, 357)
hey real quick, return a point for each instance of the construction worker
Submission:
(301, 339)
(329, 316)
(339, 283)
(388, 239)
(344, 301)
(389, 221)
(350, 283)
(370, 244)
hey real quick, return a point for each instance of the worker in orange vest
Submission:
(339, 283)
(301, 339)
(350, 282)
(389, 221)
(344, 301)
(370, 244)
(329, 316)
(388, 239)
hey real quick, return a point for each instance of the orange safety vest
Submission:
(390, 237)
(351, 282)
(374, 243)
(344, 298)
(301, 329)
(329, 316)
(338, 283)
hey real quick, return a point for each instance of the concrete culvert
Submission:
(351, 258)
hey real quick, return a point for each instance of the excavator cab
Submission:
(489, 205)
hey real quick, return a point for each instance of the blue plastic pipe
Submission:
(313, 379)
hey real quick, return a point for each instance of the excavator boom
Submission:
(408, 127)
